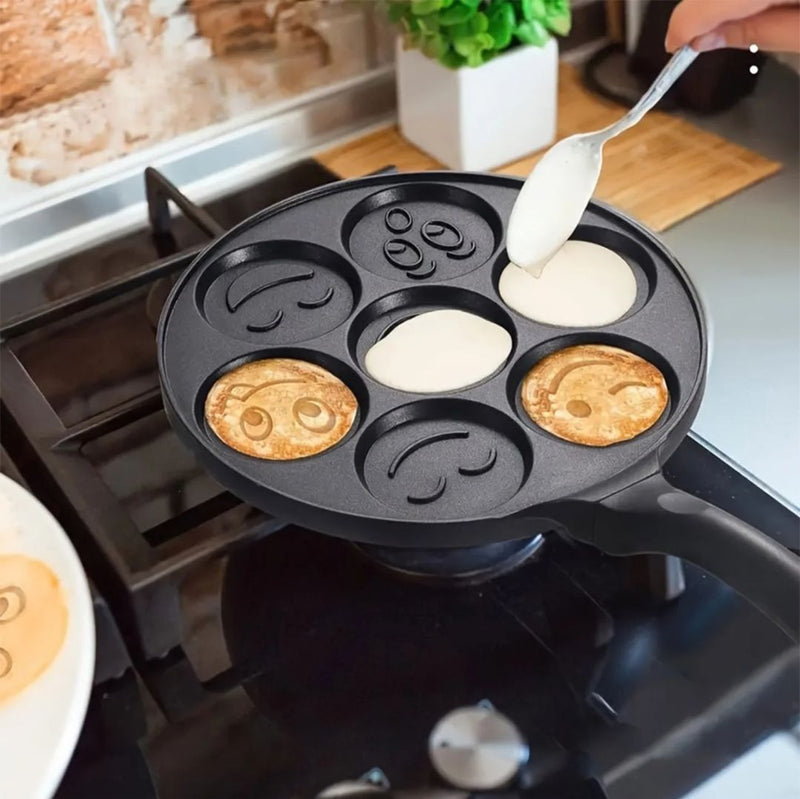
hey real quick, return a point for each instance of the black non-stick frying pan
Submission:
(323, 276)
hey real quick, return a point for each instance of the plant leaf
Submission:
(471, 46)
(501, 24)
(435, 46)
(421, 8)
(452, 60)
(429, 23)
(471, 32)
(559, 22)
(463, 46)
(479, 23)
(410, 25)
(532, 32)
(538, 10)
(457, 13)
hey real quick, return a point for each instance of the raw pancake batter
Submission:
(438, 351)
(583, 285)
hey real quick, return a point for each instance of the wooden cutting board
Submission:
(661, 171)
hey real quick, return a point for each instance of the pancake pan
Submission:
(321, 277)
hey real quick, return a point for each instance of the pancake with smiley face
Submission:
(280, 409)
(594, 394)
(33, 621)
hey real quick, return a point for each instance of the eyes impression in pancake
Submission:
(595, 395)
(438, 351)
(582, 285)
(280, 409)
(33, 621)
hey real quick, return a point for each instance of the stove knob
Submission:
(477, 748)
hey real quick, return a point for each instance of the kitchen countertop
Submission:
(744, 256)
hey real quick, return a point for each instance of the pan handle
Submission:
(654, 517)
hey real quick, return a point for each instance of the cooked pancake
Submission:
(595, 395)
(33, 621)
(280, 409)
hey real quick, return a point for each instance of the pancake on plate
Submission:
(280, 409)
(594, 394)
(33, 621)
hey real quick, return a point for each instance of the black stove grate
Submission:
(69, 449)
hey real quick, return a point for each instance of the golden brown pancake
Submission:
(280, 409)
(594, 394)
(33, 621)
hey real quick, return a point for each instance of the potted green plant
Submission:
(477, 79)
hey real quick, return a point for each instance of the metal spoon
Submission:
(555, 195)
(675, 67)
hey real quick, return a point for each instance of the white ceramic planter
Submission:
(478, 118)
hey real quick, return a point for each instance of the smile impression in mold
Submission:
(280, 409)
(252, 283)
(594, 394)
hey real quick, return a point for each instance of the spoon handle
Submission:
(675, 67)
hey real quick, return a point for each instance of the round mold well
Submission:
(530, 358)
(444, 458)
(634, 254)
(380, 317)
(341, 370)
(422, 232)
(277, 292)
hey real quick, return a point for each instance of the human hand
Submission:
(714, 24)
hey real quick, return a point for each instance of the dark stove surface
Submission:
(273, 662)
(354, 667)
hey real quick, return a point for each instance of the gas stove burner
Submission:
(477, 748)
(465, 566)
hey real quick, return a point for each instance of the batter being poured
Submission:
(557, 191)
(551, 203)
(552, 279)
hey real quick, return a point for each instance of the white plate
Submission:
(39, 727)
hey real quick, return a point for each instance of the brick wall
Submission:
(83, 82)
